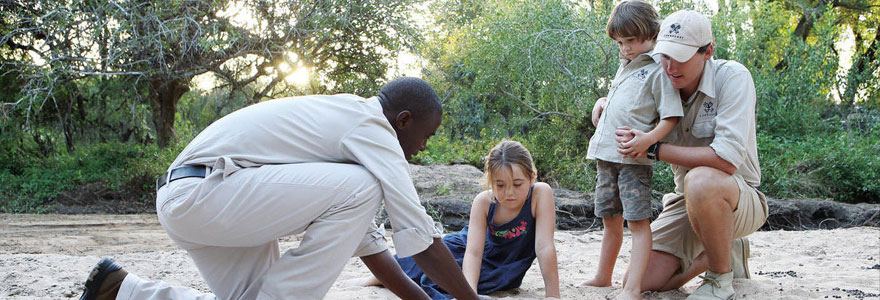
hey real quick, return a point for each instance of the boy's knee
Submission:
(639, 225)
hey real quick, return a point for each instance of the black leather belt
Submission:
(182, 172)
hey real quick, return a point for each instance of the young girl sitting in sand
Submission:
(513, 224)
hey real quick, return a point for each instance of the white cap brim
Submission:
(678, 52)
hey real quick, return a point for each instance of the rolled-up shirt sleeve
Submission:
(373, 241)
(374, 145)
(736, 102)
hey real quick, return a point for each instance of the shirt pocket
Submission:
(704, 128)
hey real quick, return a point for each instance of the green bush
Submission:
(841, 166)
(31, 186)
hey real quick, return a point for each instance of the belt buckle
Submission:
(160, 183)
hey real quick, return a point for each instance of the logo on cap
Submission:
(676, 28)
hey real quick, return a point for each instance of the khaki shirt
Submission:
(721, 115)
(321, 128)
(640, 96)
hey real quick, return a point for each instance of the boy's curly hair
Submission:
(633, 18)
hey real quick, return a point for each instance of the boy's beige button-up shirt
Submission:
(321, 128)
(640, 96)
(721, 115)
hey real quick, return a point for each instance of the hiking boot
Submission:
(739, 258)
(104, 280)
(714, 287)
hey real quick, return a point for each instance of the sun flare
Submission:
(300, 77)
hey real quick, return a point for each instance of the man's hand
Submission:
(624, 134)
(440, 266)
(626, 138)
(386, 269)
(598, 108)
(637, 145)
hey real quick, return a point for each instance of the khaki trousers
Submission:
(230, 223)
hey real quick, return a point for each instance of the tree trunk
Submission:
(858, 72)
(805, 24)
(164, 95)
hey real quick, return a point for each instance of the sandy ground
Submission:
(48, 257)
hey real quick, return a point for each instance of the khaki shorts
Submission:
(672, 231)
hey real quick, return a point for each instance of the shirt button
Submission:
(687, 129)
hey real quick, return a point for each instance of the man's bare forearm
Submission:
(386, 269)
(440, 266)
(692, 157)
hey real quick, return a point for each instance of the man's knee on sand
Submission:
(709, 186)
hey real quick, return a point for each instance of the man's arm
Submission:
(386, 269)
(688, 157)
(642, 140)
(373, 145)
(440, 266)
(692, 157)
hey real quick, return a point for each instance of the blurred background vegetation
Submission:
(107, 92)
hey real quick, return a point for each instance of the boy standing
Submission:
(641, 96)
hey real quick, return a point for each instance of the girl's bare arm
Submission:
(476, 240)
(545, 216)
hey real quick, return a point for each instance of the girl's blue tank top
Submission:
(508, 253)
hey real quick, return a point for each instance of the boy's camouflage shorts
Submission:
(623, 188)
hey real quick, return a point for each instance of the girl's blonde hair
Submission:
(504, 155)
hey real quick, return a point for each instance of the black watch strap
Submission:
(653, 151)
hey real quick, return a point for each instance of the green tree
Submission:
(529, 70)
(157, 48)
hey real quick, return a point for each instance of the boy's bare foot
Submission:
(363, 281)
(597, 282)
(628, 295)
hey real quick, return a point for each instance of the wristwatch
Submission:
(653, 152)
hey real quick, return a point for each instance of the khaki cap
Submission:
(682, 33)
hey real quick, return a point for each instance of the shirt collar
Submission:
(707, 83)
(642, 57)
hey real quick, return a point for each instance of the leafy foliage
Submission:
(532, 71)
(156, 48)
(32, 184)
(523, 69)
(80, 106)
